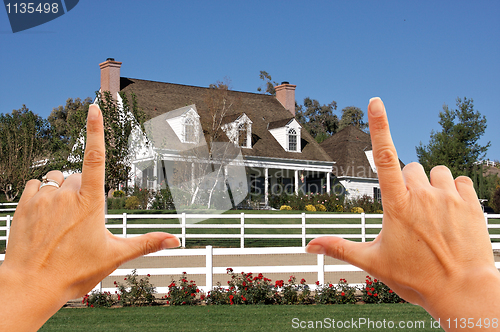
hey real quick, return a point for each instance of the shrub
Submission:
(97, 299)
(310, 208)
(132, 203)
(116, 203)
(320, 207)
(375, 291)
(118, 193)
(294, 293)
(330, 294)
(136, 292)
(357, 209)
(285, 207)
(183, 294)
(163, 200)
(379, 211)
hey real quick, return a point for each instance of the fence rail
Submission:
(184, 224)
(8, 209)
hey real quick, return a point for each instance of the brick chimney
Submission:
(110, 76)
(285, 93)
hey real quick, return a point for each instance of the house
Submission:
(259, 146)
(355, 170)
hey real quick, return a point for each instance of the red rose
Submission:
(343, 294)
(317, 282)
(390, 291)
(243, 298)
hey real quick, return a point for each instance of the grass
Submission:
(229, 318)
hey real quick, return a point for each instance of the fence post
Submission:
(183, 231)
(321, 269)
(242, 231)
(363, 227)
(303, 229)
(124, 225)
(7, 232)
(210, 269)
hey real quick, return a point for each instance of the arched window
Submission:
(189, 132)
(292, 140)
(242, 135)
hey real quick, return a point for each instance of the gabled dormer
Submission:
(185, 122)
(287, 133)
(238, 129)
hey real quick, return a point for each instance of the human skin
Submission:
(434, 249)
(59, 247)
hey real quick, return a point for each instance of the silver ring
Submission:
(49, 182)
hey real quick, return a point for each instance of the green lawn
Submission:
(233, 318)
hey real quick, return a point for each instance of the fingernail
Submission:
(378, 109)
(315, 249)
(93, 112)
(171, 242)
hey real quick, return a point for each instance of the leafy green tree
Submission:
(268, 82)
(66, 126)
(457, 144)
(23, 150)
(119, 121)
(319, 120)
(352, 115)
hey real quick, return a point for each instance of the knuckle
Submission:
(337, 252)
(149, 246)
(94, 157)
(385, 157)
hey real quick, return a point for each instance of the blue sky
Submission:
(415, 55)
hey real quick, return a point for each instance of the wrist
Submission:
(22, 294)
(468, 294)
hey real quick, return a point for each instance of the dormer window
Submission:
(243, 135)
(292, 139)
(238, 128)
(189, 130)
(287, 133)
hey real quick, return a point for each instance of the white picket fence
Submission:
(185, 224)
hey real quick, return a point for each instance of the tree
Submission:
(23, 150)
(352, 116)
(317, 119)
(269, 83)
(66, 126)
(456, 145)
(119, 122)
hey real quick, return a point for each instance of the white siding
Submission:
(280, 135)
(357, 187)
(176, 125)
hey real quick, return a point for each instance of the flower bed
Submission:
(243, 289)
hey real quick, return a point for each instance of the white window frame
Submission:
(189, 121)
(289, 134)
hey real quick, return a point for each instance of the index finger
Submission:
(93, 161)
(385, 156)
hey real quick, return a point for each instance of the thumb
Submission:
(355, 253)
(134, 247)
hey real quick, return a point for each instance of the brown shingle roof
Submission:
(156, 98)
(347, 148)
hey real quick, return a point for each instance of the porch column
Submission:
(328, 182)
(266, 185)
(192, 177)
(296, 182)
(155, 175)
(133, 178)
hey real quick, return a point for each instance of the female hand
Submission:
(434, 243)
(59, 247)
